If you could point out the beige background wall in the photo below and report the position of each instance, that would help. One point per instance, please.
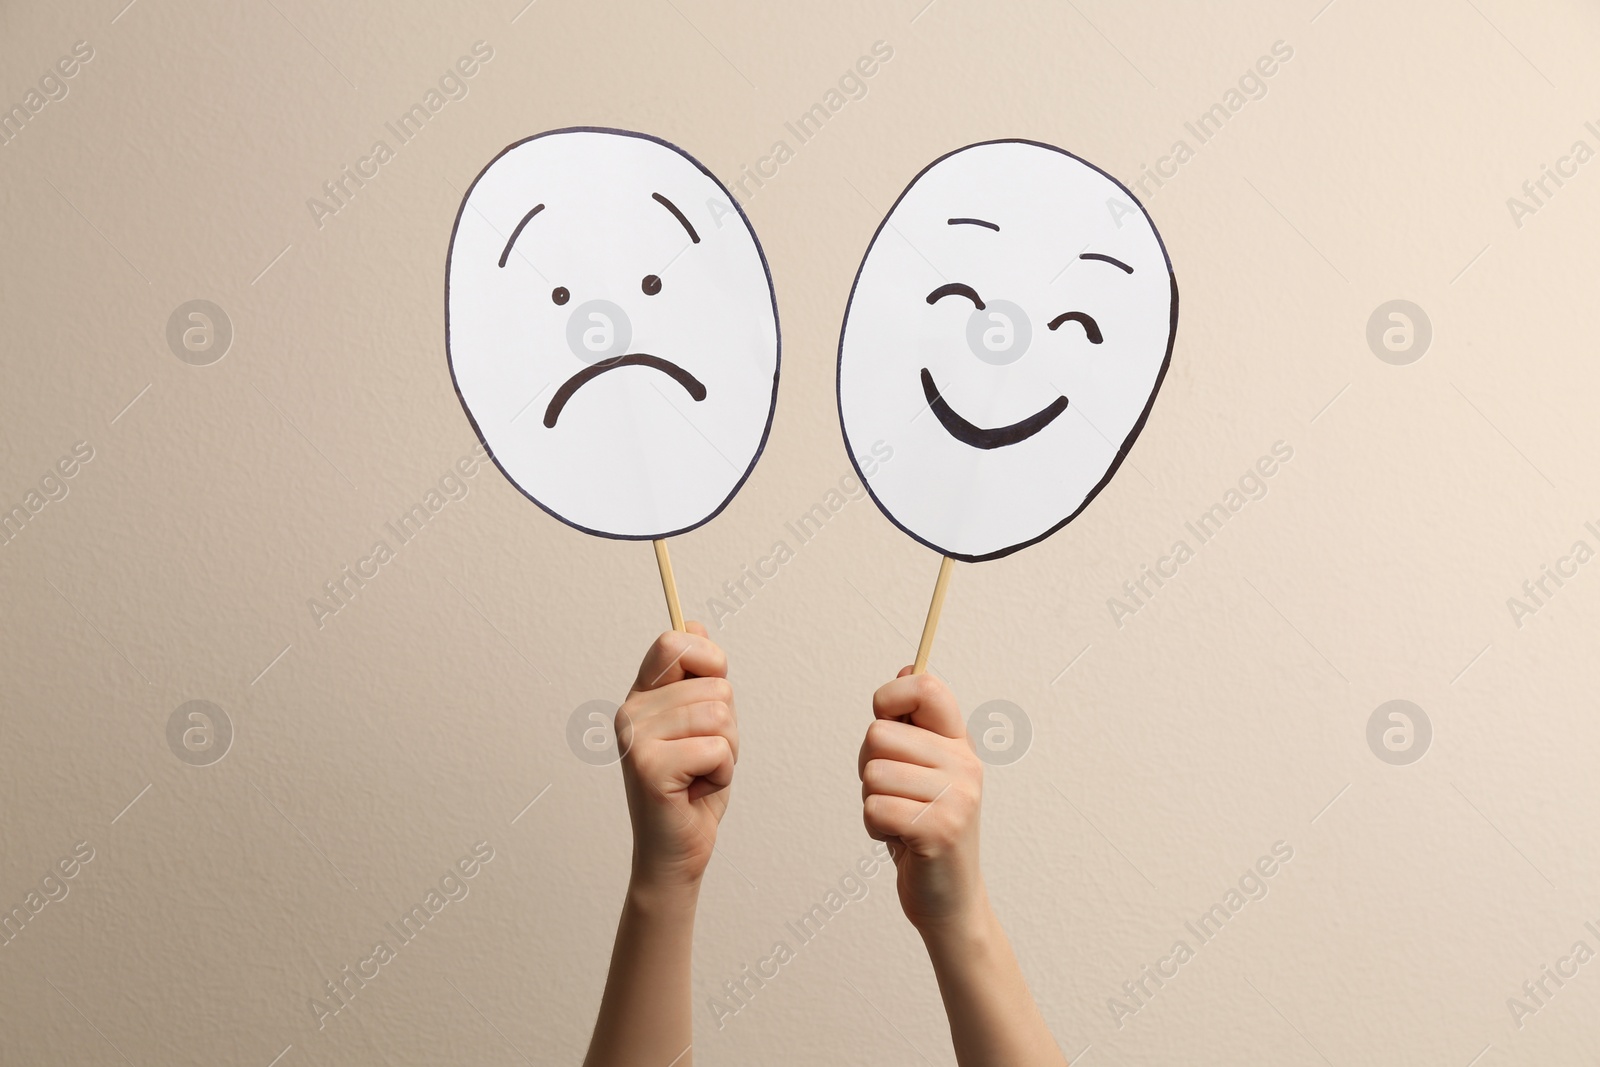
(1230, 713)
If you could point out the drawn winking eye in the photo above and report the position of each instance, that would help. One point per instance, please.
(956, 289)
(1091, 328)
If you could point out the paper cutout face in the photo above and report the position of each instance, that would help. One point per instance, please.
(612, 330)
(1007, 332)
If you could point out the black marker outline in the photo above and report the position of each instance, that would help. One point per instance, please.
(969, 433)
(777, 331)
(1138, 426)
(972, 222)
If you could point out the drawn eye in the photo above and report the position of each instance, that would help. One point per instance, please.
(1091, 328)
(560, 295)
(651, 285)
(956, 289)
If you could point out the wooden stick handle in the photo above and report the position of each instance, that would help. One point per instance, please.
(669, 584)
(929, 628)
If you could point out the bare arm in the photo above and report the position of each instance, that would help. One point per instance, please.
(993, 1018)
(921, 788)
(644, 1015)
(679, 741)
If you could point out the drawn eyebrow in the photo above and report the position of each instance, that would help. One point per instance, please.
(1107, 259)
(972, 222)
(518, 231)
(670, 206)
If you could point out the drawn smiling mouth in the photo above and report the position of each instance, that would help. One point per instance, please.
(977, 436)
(690, 383)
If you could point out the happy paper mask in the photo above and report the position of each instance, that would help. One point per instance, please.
(1008, 329)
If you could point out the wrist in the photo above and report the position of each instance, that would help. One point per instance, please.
(655, 896)
(969, 926)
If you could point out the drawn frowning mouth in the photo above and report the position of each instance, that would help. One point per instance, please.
(690, 383)
(977, 436)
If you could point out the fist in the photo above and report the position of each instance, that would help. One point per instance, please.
(921, 788)
(679, 741)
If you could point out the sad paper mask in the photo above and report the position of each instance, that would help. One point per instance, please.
(612, 331)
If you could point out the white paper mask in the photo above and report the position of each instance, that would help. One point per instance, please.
(612, 330)
(1006, 335)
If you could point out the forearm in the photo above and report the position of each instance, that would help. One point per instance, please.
(993, 1019)
(645, 1012)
